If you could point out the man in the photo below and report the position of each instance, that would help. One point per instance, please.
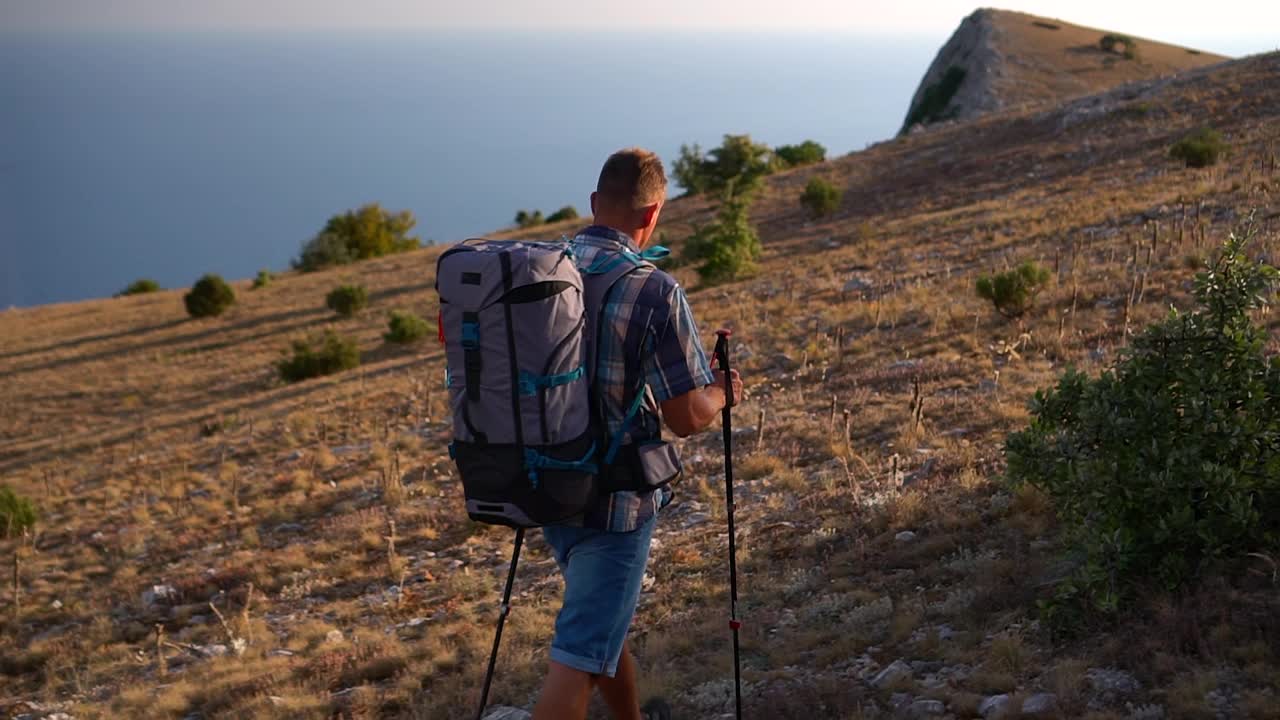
(648, 335)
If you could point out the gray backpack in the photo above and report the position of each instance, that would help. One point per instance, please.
(518, 320)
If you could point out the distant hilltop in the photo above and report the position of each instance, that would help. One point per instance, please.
(1000, 59)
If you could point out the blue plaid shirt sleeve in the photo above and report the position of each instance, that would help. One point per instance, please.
(676, 363)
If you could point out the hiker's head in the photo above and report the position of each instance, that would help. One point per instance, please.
(630, 193)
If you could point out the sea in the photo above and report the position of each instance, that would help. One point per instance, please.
(170, 155)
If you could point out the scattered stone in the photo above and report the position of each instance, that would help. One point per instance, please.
(281, 652)
(858, 285)
(334, 636)
(1040, 704)
(993, 706)
(56, 604)
(154, 595)
(905, 536)
(289, 528)
(896, 672)
(927, 708)
(1112, 682)
(502, 712)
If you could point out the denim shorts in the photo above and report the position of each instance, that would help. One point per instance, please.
(602, 575)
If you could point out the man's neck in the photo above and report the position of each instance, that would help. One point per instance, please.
(633, 235)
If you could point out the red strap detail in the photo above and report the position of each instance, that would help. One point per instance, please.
(440, 325)
(735, 624)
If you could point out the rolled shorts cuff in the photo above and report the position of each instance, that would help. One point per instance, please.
(588, 665)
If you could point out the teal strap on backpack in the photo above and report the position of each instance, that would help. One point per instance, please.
(535, 461)
(608, 260)
(530, 384)
(616, 443)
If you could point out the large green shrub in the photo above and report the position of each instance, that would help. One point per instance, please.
(17, 513)
(209, 297)
(1170, 459)
(1199, 149)
(324, 354)
(369, 231)
(347, 300)
(820, 197)
(526, 219)
(1014, 292)
(727, 249)
(806, 153)
(140, 287)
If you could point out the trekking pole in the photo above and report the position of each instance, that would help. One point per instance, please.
(722, 359)
(502, 620)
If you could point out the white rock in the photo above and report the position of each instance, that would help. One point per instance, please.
(333, 636)
(1040, 704)
(506, 713)
(897, 671)
(905, 536)
(927, 708)
(993, 705)
(153, 595)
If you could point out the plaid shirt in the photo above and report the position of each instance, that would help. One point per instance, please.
(647, 331)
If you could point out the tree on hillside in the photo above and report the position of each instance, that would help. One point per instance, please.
(367, 232)
(738, 160)
(728, 248)
(806, 153)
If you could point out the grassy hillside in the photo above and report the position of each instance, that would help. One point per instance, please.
(191, 504)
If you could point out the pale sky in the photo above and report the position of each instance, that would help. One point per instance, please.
(1229, 26)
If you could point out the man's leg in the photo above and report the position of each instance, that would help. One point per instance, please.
(565, 694)
(619, 691)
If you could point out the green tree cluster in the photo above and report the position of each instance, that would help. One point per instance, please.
(369, 231)
(806, 153)
(728, 248)
(1169, 461)
(527, 219)
(209, 297)
(738, 161)
(140, 287)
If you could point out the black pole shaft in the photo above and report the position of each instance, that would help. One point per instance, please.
(502, 620)
(722, 359)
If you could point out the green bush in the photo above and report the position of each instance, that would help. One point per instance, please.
(209, 297)
(1014, 292)
(405, 327)
(738, 160)
(1201, 148)
(140, 287)
(354, 235)
(324, 354)
(820, 197)
(526, 219)
(806, 153)
(347, 300)
(728, 249)
(17, 513)
(1170, 459)
(568, 212)
(1109, 42)
(263, 279)
(933, 102)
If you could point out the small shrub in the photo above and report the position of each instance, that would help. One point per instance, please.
(140, 287)
(322, 251)
(729, 248)
(568, 212)
(17, 513)
(806, 153)
(209, 297)
(1110, 41)
(405, 327)
(1169, 460)
(347, 300)
(320, 355)
(739, 162)
(526, 219)
(1201, 148)
(820, 197)
(1014, 292)
(263, 279)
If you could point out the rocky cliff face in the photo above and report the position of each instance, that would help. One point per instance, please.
(960, 83)
(998, 60)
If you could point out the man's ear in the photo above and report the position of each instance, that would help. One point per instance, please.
(650, 214)
(594, 212)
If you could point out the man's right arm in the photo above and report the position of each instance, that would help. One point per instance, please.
(693, 411)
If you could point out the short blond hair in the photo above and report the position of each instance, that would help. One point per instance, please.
(632, 178)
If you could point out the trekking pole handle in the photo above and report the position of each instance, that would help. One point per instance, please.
(722, 361)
